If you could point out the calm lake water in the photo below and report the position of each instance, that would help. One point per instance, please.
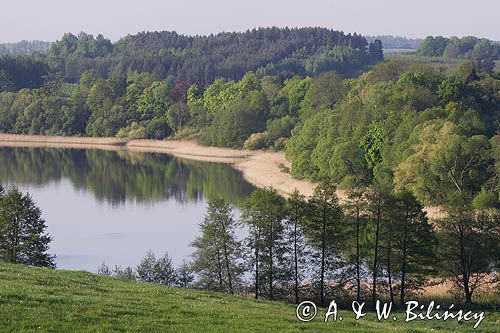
(106, 206)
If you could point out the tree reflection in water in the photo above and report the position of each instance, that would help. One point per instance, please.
(118, 176)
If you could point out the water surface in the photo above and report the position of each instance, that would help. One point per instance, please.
(108, 206)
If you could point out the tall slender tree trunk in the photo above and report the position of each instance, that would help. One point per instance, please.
(257, 236)
(219, 270)
(296, 259)
(228, 269)
(15, 240)
(463, 264)
(375, 256)
(271, 272)
(323, 253)
(358, 263)
(226, 259)
(389, 271)
(402, 293)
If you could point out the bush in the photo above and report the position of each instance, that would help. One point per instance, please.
(154, 270)
(157, 128)
(187, 133)
(133, 131)
(280, 128)
(280, 144)
(256, 141)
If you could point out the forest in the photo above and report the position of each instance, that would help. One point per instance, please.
(24, 48)
(481, 50)
(392, 136)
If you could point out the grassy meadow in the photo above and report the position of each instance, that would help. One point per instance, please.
(44, 300)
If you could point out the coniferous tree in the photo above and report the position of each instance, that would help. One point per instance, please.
(146, 268)
(164, 271)
(160, 271)
(184, 275)
(323, 232)
(356, 210)
(104, 270)
(218, 255)
(297, 215)
(23, 239)
(264, 213)
(377, 207)
(414, 245)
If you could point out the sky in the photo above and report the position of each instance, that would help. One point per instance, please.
(49, 19)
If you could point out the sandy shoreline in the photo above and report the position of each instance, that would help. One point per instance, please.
(262, 169)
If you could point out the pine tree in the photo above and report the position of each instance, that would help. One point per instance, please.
(413, 244)
(184, 275)
(356, 207)
(164, 271)
(218, 255)
(323, 231)
(146, 268)
(265, 213)
(160, 271)
(297, 215)
(22, 231)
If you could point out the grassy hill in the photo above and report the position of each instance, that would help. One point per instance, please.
(36, 299)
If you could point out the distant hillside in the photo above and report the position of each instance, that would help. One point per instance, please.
(24, 47)
(201, 59)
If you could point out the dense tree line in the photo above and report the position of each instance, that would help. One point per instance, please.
(22, 72)
(408, 127)
(176, 58)
(375, 244)
(480, 50)
(201, 59)
(24, 47)
(153, 85)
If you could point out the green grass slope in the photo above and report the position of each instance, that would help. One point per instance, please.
(36, 299)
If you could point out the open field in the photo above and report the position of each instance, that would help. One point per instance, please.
(449, 64)
(38, 299)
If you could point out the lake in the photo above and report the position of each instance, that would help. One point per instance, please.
(113, 206)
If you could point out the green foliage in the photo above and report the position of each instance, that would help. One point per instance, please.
(264, 213)
(372, 144)
(218, 254)
(280, 128)
(256, 141)
(234, 124)
(433, 46)
(154, 101)
(469, 248)
(400, 121)
(159, 271)
(23, 238)
(482, 51)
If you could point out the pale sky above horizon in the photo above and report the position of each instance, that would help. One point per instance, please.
(48, 20)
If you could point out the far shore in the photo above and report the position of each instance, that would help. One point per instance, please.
(263, 169)
(260, 168)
